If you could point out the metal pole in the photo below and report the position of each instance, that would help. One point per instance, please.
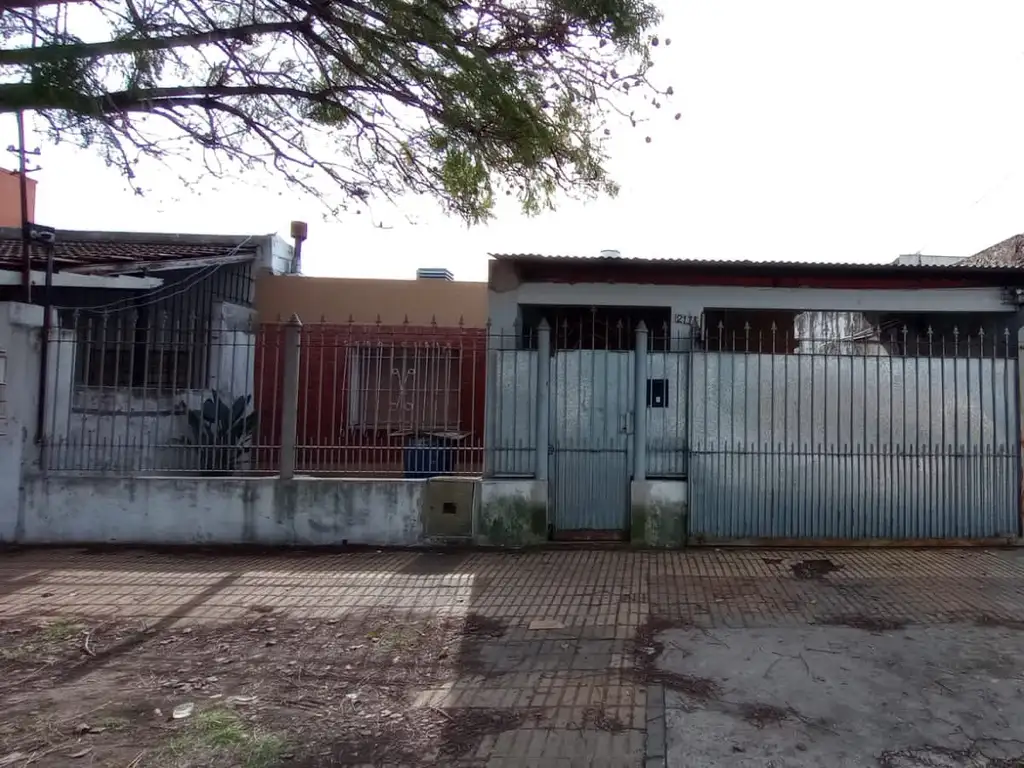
(44, 359)
(640, 405)
(290, 396)
(540, 461)
(26, 256)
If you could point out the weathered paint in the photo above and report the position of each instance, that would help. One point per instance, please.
(19, 341)
(658, 513)
(512, 513)
(62, 509)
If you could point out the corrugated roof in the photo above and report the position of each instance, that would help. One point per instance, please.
(729, 264)
(1006, 254)
(81, 249)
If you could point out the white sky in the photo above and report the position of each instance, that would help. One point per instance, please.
(832, 131)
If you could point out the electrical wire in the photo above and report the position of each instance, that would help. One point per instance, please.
(154, 296)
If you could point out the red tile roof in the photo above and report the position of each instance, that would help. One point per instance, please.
(121, 248)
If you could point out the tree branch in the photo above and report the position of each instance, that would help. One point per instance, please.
(49, 54)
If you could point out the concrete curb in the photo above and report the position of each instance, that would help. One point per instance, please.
(655, 747)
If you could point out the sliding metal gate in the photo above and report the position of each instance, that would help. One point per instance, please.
(869, 439)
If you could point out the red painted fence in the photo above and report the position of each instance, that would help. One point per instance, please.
(368, 392)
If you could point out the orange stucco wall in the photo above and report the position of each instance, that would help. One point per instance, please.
(337, 300)
(10, 199)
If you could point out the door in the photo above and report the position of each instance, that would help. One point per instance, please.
(591, 425)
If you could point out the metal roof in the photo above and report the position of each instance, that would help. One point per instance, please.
(789, 266)
(85, 249)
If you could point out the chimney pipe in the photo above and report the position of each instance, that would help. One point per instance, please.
(299, 233)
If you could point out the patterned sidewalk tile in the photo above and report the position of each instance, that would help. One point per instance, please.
(553, 634)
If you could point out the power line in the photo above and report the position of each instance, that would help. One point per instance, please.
(153, 296)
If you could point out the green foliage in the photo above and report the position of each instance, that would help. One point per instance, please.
(221, 432)
(463, 101)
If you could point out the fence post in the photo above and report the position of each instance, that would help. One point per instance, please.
(640, 404)
(540, 461)
(290, 396)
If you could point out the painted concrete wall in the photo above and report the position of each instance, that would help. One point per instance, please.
(512, 513)
(658, 513)
(692, 300)
(335, 300)
(64, 509)
(19, 341)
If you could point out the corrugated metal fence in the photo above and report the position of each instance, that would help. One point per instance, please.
(881, 437)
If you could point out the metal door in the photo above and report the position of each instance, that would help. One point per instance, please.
(591, 423)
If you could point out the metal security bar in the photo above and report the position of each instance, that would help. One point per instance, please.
(877, 433)
(391, 401)
(131, 392)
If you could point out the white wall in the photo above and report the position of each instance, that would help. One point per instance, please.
(65, 509)
(19, 338)
(233, 349)
(692, 300)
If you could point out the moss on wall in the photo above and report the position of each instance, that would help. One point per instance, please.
(513, 521)
(658, 524)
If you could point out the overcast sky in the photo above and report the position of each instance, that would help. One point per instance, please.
(832, 131)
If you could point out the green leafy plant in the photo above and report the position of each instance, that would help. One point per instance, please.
(221, 431)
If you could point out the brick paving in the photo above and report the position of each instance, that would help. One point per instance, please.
(554, 632)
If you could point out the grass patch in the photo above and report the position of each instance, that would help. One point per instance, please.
(219, 735)
(61, 630)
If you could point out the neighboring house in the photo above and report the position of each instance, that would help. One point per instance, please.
(10, 198)
(1004, 254)
(763, 400)
(145, 326)
(384, 365)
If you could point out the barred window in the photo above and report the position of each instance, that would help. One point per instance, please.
(412, 387)
(127, 350)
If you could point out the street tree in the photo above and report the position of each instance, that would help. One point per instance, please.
(461, 100)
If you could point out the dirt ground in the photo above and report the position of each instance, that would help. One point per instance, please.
(257, 692)
(550, 659)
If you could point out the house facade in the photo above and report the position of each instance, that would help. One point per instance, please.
(689, 401)
(142, 329)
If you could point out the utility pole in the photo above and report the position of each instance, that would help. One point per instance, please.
(26, 223)
(26, 250)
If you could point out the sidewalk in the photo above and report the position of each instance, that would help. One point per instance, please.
(497, 659)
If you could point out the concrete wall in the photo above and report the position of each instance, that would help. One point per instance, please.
(19, 342)
(692, 300)
(65, 509)
(658, 513)
(512, 513)
(335, 300)
(78, 509)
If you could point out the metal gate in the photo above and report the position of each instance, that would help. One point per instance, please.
(591, 427)
(881, 436)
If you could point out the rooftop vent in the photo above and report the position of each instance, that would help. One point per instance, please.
(434, 273)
